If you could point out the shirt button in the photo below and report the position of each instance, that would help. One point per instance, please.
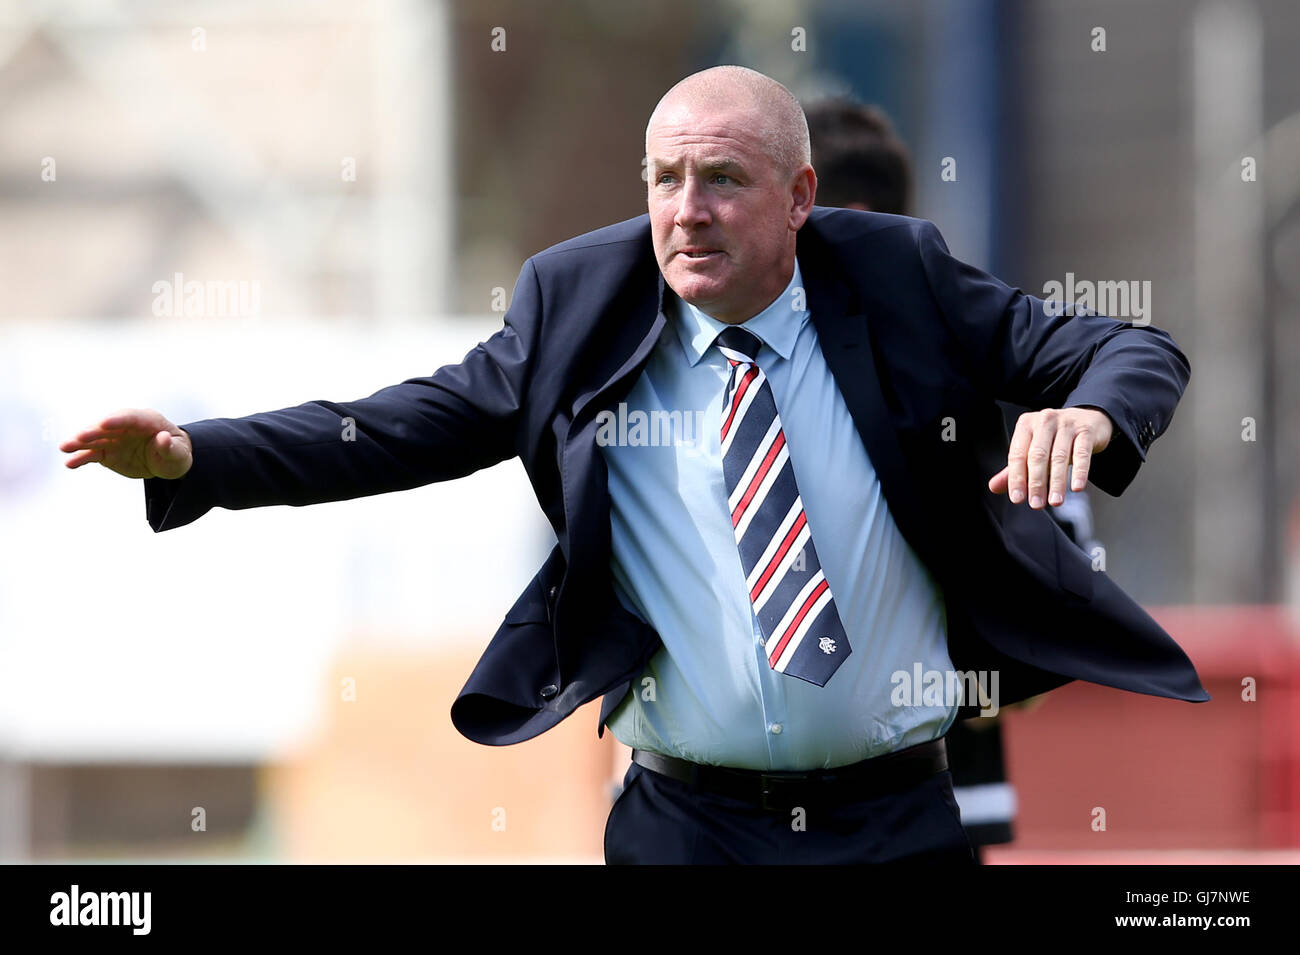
(761, 641)
(776, 729)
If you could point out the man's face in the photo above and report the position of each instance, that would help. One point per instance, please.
(722, 216)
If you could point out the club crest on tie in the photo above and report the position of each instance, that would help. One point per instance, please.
(827, 645)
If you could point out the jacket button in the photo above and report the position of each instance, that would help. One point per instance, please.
(548, 692)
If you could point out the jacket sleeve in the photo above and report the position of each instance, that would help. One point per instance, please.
(1021, 351)
(461, 418)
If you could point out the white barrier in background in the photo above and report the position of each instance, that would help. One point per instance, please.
(212, 641)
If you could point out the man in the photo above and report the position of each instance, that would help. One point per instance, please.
(746, 630)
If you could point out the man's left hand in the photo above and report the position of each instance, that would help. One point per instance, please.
(1042, 449)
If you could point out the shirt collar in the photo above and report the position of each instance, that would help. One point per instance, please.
(777, 326)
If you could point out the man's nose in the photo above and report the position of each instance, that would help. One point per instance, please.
(692, 207)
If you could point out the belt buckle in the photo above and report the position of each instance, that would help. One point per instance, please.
(770, 784)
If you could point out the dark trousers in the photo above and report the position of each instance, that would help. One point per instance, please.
(658, 820)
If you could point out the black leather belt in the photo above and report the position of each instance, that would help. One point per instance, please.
(821, 787)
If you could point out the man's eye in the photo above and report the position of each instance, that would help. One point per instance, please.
(664, 178)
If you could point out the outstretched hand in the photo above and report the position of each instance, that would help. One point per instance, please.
(1044, 446)
(136, 443)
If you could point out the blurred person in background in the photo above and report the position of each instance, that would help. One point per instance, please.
(753, 673)
(861, 162)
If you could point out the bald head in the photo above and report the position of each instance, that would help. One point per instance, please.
(777, 117)
(728, 184)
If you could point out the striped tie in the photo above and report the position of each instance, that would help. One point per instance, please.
(787, 588)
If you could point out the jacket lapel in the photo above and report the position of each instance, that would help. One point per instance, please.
(844, 333)
(583, 475)
(635, 336)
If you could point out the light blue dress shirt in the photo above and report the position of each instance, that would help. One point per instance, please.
(709, 695)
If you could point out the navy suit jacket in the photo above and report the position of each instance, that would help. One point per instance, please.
(912, 336)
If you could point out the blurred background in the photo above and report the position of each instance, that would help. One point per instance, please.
(238, 206)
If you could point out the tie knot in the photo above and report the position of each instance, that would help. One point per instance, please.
(743, 344)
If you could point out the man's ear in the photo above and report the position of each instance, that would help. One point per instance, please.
(803, 193)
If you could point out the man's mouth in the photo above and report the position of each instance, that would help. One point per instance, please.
(700, 254)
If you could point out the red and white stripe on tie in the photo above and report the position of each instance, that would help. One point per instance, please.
(787, 589)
